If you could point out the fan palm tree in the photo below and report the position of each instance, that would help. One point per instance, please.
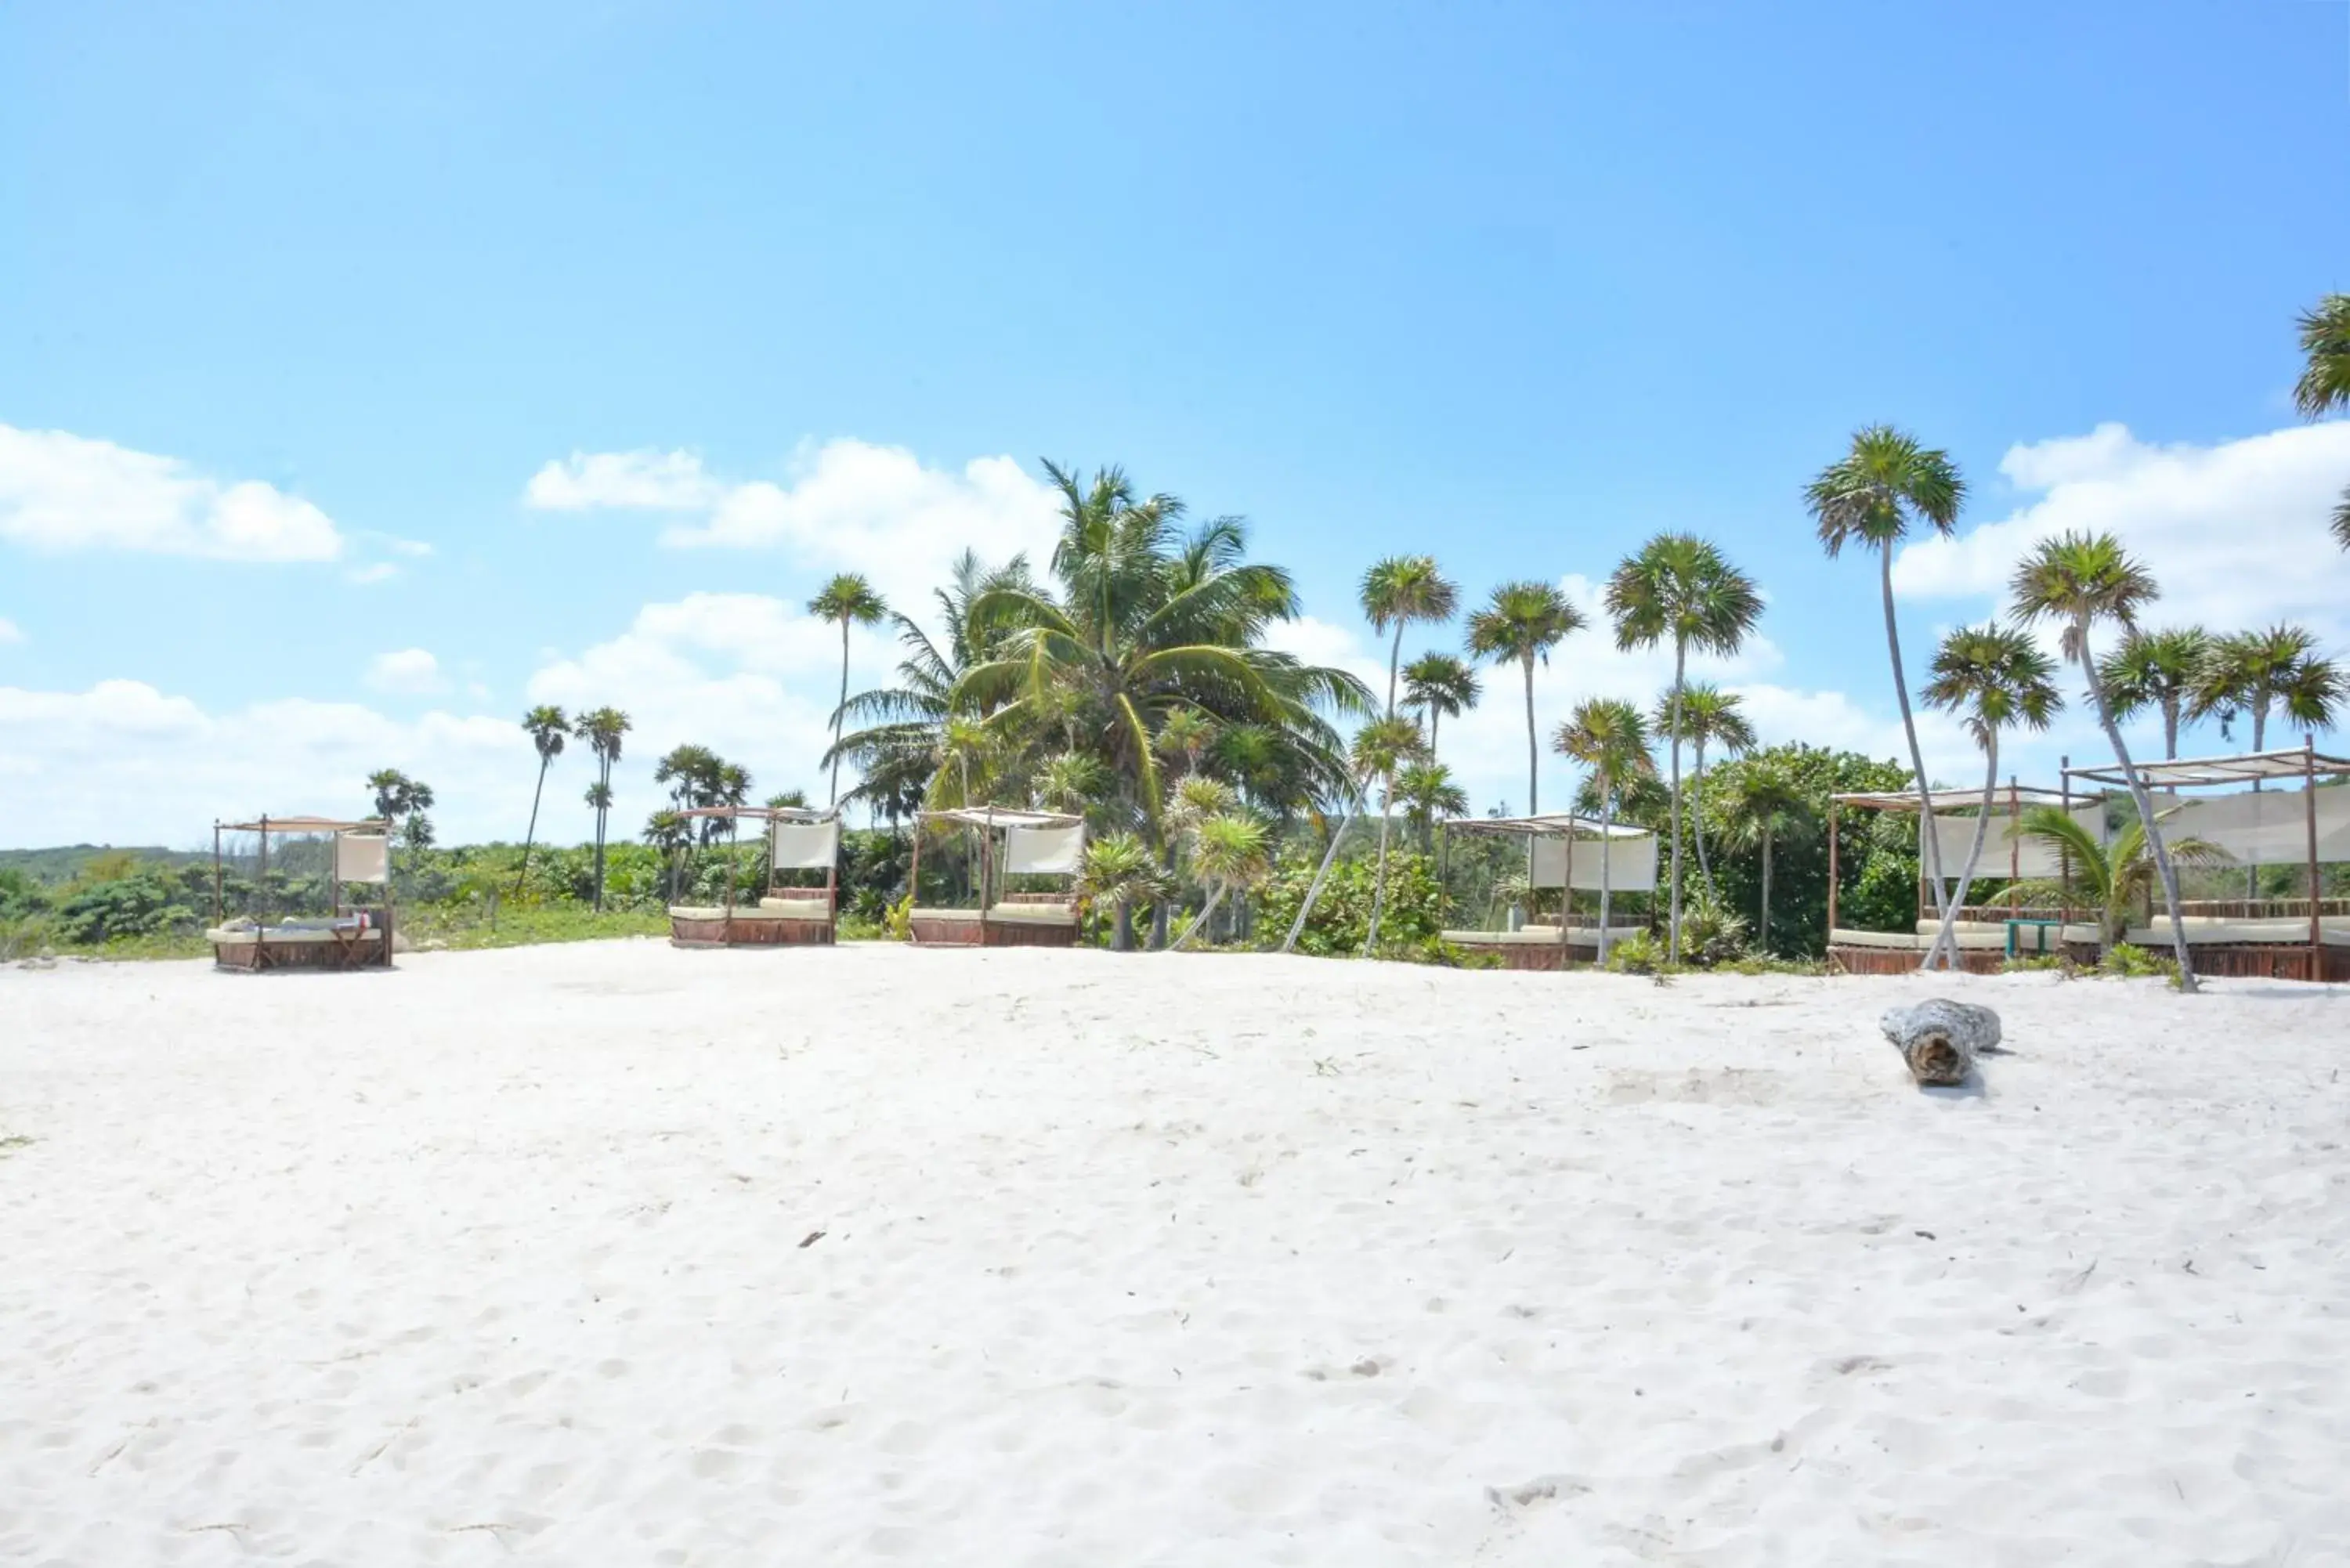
(1398, 591)
(1383, 748)
(1997, 678)
(404, 801)
(604, 729)
(1523, 621)
(848, 601)
(1882, 487)
(1609, 737)
(1429, 795)
(1764, 801)
(1709, 717)
(1230, 852)
(2155, 669)
(2324, 384)
(547, 728)
(669, 834)
(1683, 588)
(2077, 581)
(1122, 871)
(1438, 686)
(2118, 875)
(2255, 672)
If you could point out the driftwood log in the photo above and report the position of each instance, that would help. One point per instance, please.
(1939, 1039)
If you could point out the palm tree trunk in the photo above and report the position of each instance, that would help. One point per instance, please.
(2170, 729)
(1313, 889)
(604, 777)
(1933, 849)
(1673, 742)
(1435, 717)
(2145, 802)
(838, 713)
(1395, 658)
(2260, 743)
(1534, 777)
(1946, 935)
(1763, 936)
(532, 831)
(1379, 881)
(1215, 897)
(1121, 940)
(1606, 867)
(1697, 820)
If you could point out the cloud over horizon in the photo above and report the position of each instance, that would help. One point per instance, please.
(61, 493)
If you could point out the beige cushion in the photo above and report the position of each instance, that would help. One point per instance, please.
(818, 907)
(1034, 914)
(1539, 936)
(226, 936)
(697, 911)
(2204, 929)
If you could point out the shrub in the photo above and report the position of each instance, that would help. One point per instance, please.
(1712, 934)
(1639, 953)
(1342, 915)
(2126, 960)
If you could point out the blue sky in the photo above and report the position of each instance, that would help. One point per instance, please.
(1519, 286)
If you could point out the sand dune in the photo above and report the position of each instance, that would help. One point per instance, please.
(618, 1254)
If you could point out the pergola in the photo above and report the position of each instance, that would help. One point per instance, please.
(798, 839)
(1621, 853)
(361, 853)
(2009, 802)
(1036, 843)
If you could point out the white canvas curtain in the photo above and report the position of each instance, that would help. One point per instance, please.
(805, 845)
(1631, 864)
(362, 858)
(1044, 851)
(1953, 835)
(2268, 828)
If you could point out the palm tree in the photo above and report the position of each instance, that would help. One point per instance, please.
(2155, 669)
(848, 601)
(1429, 795)
(2324, 384)
(1438, 686)
(2253, 672)
(1609, 737)
(603, 730)
(2078, 581)
(1682, 588)
(1402, 589)
(403, 800)
(1525, 621)
(2119, 876)
(1229, 852)
(1184, 736)
(1874, 494)
(1382, 748)
(1709, 717)
(1122, 871)
(1764, 801)
(547, 728)
(1997, 677)
(669, 834)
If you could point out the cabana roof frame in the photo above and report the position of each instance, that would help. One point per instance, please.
(304, 825)
(1557, 825)
(2012, 796)
(761, 812)
(2204, 772)
(1001, 816)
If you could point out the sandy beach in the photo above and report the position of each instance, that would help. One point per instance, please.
(614, 1253)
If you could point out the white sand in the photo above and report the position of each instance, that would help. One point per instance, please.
(1188, 1260)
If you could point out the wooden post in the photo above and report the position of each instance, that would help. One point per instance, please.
(733, 839)
(2309, 800)
(216, 874)
(1566, 892)
(2064, 856)
(335, 875)
(260, 885)
(2014, 851)
(1831, 870)
(914, 877)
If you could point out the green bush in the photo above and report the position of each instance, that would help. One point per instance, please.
(1638, 954)
(1712, 934)
(1342, 915)
(2125, 961)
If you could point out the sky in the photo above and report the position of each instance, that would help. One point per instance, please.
(367, 378)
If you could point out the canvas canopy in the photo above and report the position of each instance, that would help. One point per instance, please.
(2270, 827)
(803, 845)
(1045, 851)
(1954, 835)
(362, 858)
(1629, 863)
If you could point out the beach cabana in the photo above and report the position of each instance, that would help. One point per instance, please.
(801, 844)
(1988, 934)
(2298, 937)
(303, 918)
(1010, 842)
(1573, 854)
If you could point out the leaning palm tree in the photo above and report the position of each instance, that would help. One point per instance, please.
(604, 729)
(1709, 717)
(1683, 588)
(2119, 876)
(1764, 801)
(1523, 621)
(2324, 384)
(2078, 581)
(1996, 677)
(2155, 669)
(1121, 871)
(1383, 748)
(1229, 853)
(848, 601)
(1875, 494)
(1609, 737)
(547, 727)
(1402, 589)
(1438, 686)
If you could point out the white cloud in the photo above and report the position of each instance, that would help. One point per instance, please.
(848, 505)
(409, 673)
(61, 493)
(2234, 533)
(374, 573)
(10, 631)
(655, 481)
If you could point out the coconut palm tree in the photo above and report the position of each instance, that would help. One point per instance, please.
(1438, 686)
(1883, 486)
(2155, 669)
(1997, 678)
(1398, 591)
(1683, 588)
(848, 601)
(2119, 876)
(1609, 737)
(1523, 621)
(1429, 795)
(604, 729)
(547, 728)
(1709, 717)
(2324, 384)
(1229, 852)
(1764, 801)
(2077, 581)
(1383, 748)
(1122, 871)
